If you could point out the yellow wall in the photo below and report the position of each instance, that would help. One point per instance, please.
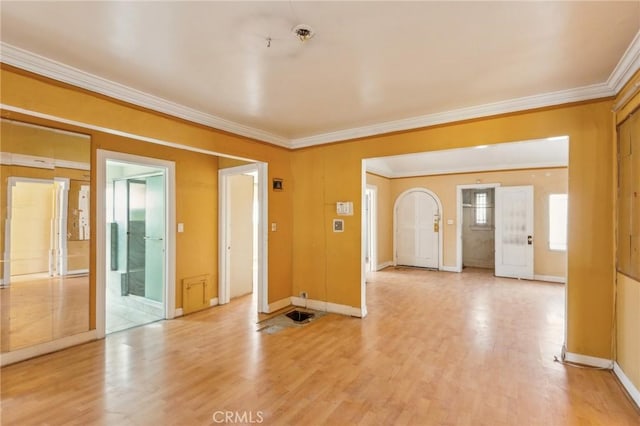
(304, 254)
(327, 264)
(544, 181)
(628, 289)
(384, 226)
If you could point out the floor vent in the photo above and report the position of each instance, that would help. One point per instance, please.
(299, 316)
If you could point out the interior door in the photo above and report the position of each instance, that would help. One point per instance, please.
(154, 240)
(417, 224)
(514, 231)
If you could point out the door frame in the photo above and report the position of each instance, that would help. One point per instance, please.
(395, 222)
(459, 217)
(102, 156)
(224, 284)
(372, 208)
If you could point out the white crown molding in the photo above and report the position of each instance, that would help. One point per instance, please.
(624, 70)
(471, 169)
(513, 105)
(628, 65)
(41, 65)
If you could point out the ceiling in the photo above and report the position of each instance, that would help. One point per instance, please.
(550, 152)
(372, 67)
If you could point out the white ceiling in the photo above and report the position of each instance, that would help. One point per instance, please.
(372, 67)
(551, 152)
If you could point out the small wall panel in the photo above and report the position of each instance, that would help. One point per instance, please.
(195, 293)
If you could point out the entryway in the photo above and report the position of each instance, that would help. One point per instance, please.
(135, 243)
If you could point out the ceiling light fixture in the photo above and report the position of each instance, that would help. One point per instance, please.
(303, 32)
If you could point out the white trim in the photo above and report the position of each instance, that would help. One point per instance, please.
(584, 93)
(627, 66)
(280, 304)
(178, 313)
(18, 355)
(440, 215)
(588, 360)
(550, 278)
(628, 385)
(320, 305)
(213, 302)
(459, 217)
(170, 228)
(41, 65)
(450, 269)
(383, 265)
(58, 71)
(373, 225)
(77, 272)
(470, 169)
(263, 237)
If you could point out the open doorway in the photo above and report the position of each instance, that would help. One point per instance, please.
(476, 219)
(242, 228)
(135, 247)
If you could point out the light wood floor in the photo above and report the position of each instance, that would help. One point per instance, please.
(436, 349)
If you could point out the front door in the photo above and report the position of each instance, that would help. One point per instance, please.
(417, 236)
(514, 232)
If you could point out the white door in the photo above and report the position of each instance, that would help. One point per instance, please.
(514, 231)
(417, 224)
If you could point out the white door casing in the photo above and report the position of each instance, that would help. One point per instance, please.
(417, 236)
(514, 231)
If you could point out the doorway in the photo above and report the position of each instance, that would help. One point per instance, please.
(417, 236)
(478, 227)
(135, 247)
(243, 234)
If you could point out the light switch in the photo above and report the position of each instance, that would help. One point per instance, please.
(449, 221)
(181, 227)
(274, 227)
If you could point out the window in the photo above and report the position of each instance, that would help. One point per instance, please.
(480, 206)
(558, 221)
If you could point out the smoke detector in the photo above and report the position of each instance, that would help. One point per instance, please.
(303, 32)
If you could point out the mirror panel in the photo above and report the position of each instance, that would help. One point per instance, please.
(44, 237)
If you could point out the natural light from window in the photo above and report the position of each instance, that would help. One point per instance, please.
(558, 221)
(481, 208)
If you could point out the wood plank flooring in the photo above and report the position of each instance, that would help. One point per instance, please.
(436, 349)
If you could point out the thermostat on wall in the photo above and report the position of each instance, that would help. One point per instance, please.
(344, 208)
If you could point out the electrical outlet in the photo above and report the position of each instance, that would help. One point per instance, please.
(304, 294)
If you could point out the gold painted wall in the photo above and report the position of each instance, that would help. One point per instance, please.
(384, 226)
(544, 181)
(195, 173)
(628, 289)
(327, 264)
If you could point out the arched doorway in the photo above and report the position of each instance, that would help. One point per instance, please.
(417, 233)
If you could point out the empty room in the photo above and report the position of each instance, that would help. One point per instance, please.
(296, 212)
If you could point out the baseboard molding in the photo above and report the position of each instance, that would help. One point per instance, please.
(179, 313)
(77, 272)
(383, 265)
(213, 302)
(320, 305)
(588, 360)
(550, 278)
(449, 268)
(628, 385)
(280, 304)
(12, 357)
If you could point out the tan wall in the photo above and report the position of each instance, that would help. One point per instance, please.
(327, 264)
(384, 226)
(628, 289)
(544, 181)
(196, 174)
(241, 235)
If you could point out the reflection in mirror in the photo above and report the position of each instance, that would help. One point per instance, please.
(44, 240)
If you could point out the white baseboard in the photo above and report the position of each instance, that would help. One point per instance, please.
(550, 278)
(179, 313)
(383, 265)
(449, 268)
(213, 302)
(335, 308)
(12, 357)
(280, 304)
(628, 385)
(77, 272)
(588, 360)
